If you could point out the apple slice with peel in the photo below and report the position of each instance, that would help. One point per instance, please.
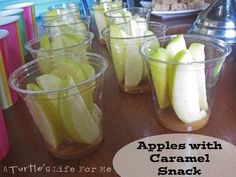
(79, 74)
(159, 73)
(133, 65)
(118, 50)
(44, 46)
(100, 19)
(88, 89)
(51, 14)
(198, 54)
(45, 116)
(57, 43)
(152, 36)
(185, 92)
(134, 28)
(45, 43)
(48, 82)
(77, 120)
(176, 44)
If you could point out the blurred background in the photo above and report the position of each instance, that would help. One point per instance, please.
(41, 5)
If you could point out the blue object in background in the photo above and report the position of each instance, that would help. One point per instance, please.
(42, 5)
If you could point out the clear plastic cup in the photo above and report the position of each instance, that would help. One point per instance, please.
(78, 5)
(67, 23)
(184, 93)
(68, 114)
(128, 63)
(60, 12)
(118, 16)
(67, 5)
(73, 41)
(97, 13)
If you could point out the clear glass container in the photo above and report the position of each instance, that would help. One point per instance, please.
(67, 23)
(184, 92)
(118, 16)
(68, 113)
(97, 14)
(67, 41)
(59, 12)
(128, 63)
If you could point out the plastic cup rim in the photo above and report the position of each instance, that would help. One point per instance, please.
(8, 12)
(111, 2)
(105, 30)
(19, 5)
(45, 24)
(106, 14)
(209, 39)
(11, 79)
(42, 15)
(86, 41)
(8, 20)
(51, 7)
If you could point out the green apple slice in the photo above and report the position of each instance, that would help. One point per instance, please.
(57, 43)
(65, 40)
(79, 74)
(143, 28)
(133, 65)
(87, 90)
(58, 73)
(127, 16)
(118, 51)
(117, 18)
(134, 29)
(159, 73)
(69, 39)
(100, 20)
(66, 28)
(44, 42)
(51, 14)
(80, 26)
(45, 116)
(198, 54)
(78, 122)
(176, 44)
(48, 82)
(185, 92)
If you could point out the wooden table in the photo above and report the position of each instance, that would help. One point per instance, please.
(126, 118)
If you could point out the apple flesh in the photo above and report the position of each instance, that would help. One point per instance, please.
(176, 45)
(45, 116)
(118, 51)
(159, 73)
(77, 120)
(128, 63)
(185, 91)
(185, 82)
(198, 53)
(73, 115)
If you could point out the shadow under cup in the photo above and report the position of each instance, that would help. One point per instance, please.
(184, 93)
(69, 117)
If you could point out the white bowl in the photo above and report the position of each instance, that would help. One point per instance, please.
(146, 4)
